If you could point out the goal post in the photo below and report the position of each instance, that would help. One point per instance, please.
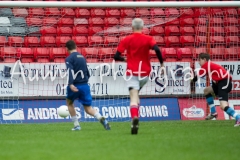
(32, 43)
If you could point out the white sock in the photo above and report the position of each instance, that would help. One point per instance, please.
(98, 116)
(75, 121)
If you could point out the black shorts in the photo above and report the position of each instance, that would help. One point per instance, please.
(222, 88)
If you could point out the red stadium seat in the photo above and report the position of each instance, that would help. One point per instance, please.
(26, 55)
(112, 41)
(171, 12)
(157, 30)
(58, 53)
(49, 31)
(217, 53)
(126, 21)
(200, 11)
(15, 41)
(200, 40)
(64, 31)
(108, 60)
(36, 12)
(197, 51)
(80, 22)
(152, 55)
(80, 40)
(232, 53)
(96, 21)
(41, 54)
(215, 40)
(50, 22)
(230, 21)
(200, 21)
(20, 12)
(111, 31)
(230, 12)
(9, 54)
(105, 53)
(111, 21)
(186, 21)
(48, 41)
(34, 21)
(127, 12)
(31, 41)
(232, 40)
(172, 30)
(142, 12)
(157, 21)
(187, 31)
(68, 12)
(231, 30)
(216, 21)
(172, 21)
(184, 53)
(52, 12)
(216, 12)
(82, 12)
(94, 30)
(90, 52)
(92, 60)
(65, 22)
(95, 40)
(201, 30)
(97, 12)
(186, 12)
(172, 41)
(3, 41)
(157, 12)
(159, 40)
(187, 40)
(62, 40)
(217, 30)
(81, 30)
(112, 12)
(169, 52)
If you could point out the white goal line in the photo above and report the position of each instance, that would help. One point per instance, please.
(100, 4)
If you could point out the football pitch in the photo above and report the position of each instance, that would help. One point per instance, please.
(167, 140)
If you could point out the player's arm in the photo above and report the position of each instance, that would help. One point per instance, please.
(118, 57)
(121, 48)
(70, 75)
(159, 54)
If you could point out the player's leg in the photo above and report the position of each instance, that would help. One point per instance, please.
(208, 92)
(134, 86)
(71, 96)
(86, 99)
(223, 98)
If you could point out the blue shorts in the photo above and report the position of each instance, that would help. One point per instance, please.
(83, 94)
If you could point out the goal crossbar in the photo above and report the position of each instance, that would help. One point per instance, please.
(100, 4)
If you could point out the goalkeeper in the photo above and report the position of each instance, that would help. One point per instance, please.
(221, 86)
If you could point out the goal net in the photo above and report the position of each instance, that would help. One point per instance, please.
(34, 76)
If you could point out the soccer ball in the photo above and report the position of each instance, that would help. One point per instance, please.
(63, 111)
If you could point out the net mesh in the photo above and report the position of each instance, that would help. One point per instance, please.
(37, 36)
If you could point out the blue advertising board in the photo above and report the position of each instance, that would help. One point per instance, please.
(45, 111)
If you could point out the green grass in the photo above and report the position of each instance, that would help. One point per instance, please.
(169, 140)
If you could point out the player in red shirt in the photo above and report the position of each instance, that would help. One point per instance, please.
(137, 46)
(221, 86)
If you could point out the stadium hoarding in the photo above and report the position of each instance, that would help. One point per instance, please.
(196, 108)
(192, 109)
(45, 111)
(50, 79)
(234, 69)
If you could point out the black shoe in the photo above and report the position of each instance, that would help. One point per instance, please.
(134, 127)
